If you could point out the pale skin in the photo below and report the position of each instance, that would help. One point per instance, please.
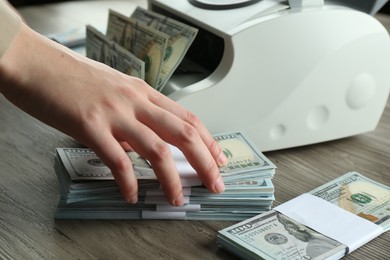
(108, 112)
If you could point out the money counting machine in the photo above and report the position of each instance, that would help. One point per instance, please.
(288, 73)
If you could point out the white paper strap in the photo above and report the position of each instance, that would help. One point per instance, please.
(148, 214)
(330, 220)
(186, 207)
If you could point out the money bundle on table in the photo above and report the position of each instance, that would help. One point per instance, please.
(89, 191)
(146, 45)
(273, 235)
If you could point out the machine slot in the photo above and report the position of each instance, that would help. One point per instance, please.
(200, 61)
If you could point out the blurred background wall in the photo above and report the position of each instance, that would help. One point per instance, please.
(385, 8)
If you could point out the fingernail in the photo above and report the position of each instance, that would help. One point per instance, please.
(132, 199)
(222, 160)
(179, 201)
(219, 186)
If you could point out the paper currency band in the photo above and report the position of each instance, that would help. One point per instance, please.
(330, 220)
(163, 215)
(185, 208)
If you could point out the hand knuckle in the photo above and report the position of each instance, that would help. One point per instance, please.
(213, 146)
(159, 151)
(121, 164)
(192, 119)
(189, 132)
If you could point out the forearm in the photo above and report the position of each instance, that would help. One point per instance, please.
(33, 64)
(38, 75)
(102, 108)
(9, 26)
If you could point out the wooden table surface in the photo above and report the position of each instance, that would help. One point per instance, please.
(29, 190)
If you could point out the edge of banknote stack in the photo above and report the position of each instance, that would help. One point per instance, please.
(326, 223)
(89, 191)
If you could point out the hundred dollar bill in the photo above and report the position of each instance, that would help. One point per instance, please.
(359, 195)
(145, 42)
(99, 48)
(180, 38)
(245, 161)
(83, 164)
(275, 236)
(242, 154)
(235, 188)
(272, 235)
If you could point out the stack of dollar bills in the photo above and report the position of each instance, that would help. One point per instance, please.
(146, 45)
(89, 191)
(274, 235)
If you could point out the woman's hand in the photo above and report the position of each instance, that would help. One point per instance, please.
(106, 111)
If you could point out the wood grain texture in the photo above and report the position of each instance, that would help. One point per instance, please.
(29, 195)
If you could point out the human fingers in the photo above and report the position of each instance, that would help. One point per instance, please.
(185, 115)
(187, 138)
(151, 147)
(125, 146)
(113, 155)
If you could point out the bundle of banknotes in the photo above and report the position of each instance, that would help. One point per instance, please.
(274, 235)
(89, 191)
(146, 45)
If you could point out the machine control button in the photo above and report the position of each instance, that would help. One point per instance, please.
(360, 91)
(317, 117)
(277, 131)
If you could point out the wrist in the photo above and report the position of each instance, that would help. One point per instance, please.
(32, 64)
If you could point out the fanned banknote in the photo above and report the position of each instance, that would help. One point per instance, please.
(100, 48)
(275, 236)
(180, 38)
(143, 41)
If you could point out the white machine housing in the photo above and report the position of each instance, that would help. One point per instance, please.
(287, 76)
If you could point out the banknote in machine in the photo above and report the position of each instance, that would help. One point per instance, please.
(100, 48)
(143, 41)
(180, 38)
